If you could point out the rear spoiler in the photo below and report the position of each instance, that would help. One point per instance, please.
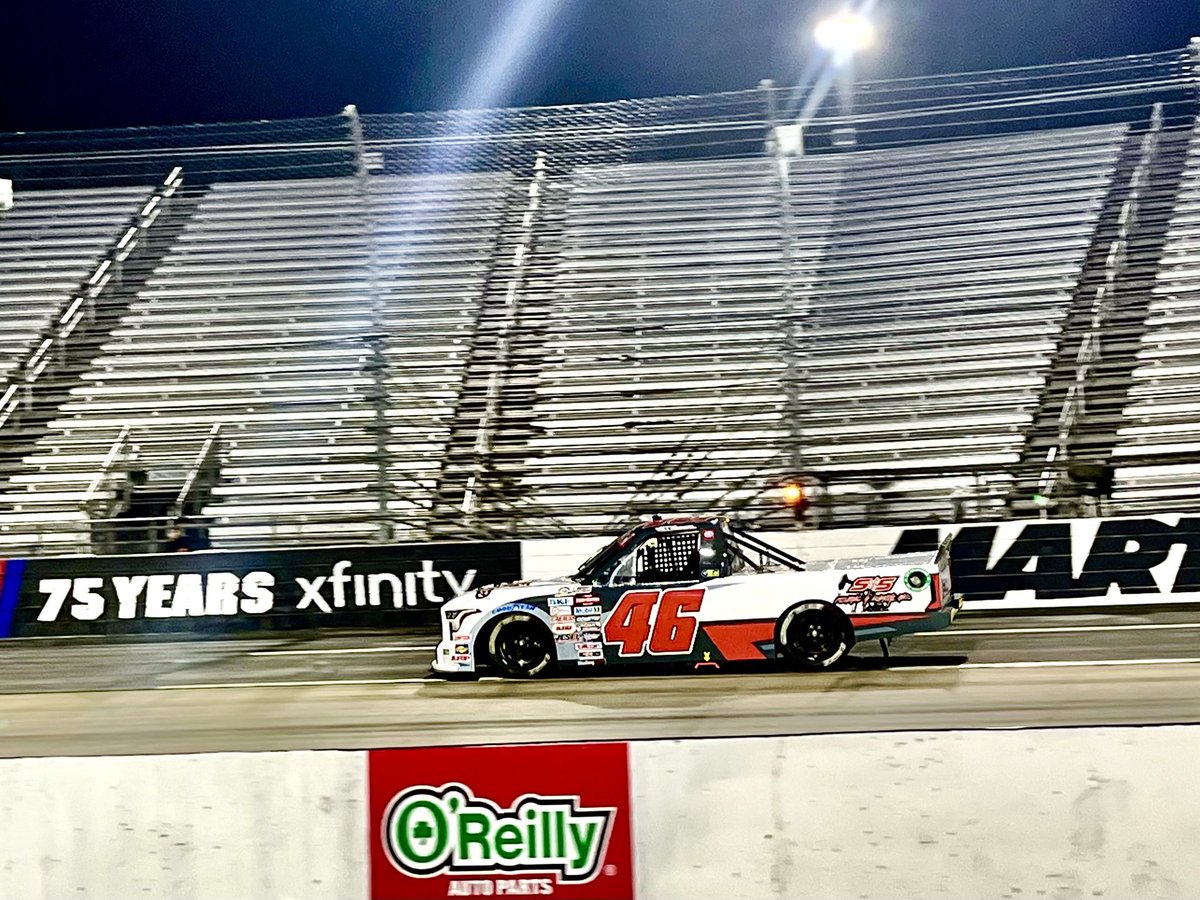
(943, 551)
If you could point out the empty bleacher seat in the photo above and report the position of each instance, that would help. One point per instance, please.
(661, 375)
(264, 317)
(936, 308)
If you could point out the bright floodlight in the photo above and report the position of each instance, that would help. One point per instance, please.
(844, 34)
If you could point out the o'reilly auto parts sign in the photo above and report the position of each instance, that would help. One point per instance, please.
(370, 586)
(448, 829)
(549, 820)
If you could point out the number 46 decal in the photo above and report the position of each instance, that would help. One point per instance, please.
(672, 630)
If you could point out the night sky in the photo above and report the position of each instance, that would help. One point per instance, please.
(103, 63)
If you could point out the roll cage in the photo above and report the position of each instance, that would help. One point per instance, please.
(733, 550)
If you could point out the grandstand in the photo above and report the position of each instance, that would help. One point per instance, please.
(542, 322)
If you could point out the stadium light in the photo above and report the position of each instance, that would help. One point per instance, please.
(844, 34)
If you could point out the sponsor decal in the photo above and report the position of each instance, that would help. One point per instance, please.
(871, 593)
(877, 583)
(500, 821)
(515, 607)
(588, 620)
(590, 636)
(557, 618)
(563, 627)
(460, 657)
(587, 610)
(589, 646)
(565, 591)
(462, 648)
(566, 638)
(591, 654)
(586, 597)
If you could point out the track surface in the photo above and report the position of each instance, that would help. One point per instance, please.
(351, 690)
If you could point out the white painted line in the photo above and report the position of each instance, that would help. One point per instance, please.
(396, 648)
(261, 684)
(952, 632)
(1056, 664)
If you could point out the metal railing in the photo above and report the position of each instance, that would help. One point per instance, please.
(109, 489)
(204, 469)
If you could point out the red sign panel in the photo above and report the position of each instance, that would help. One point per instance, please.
(550, 820)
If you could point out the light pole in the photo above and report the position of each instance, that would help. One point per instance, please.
(843, 35)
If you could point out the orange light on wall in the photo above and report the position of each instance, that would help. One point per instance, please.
(793, 494)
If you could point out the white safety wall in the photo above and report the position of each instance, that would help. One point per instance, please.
(1102, 812)
(193, 827)
(1108, 812)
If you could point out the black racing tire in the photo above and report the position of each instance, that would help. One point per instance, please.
(520, 646)
(815, 636)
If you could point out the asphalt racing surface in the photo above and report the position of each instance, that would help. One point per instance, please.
(354, 690)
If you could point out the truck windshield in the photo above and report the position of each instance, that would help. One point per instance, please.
(599, 560)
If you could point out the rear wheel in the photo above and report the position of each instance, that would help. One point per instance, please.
(520, 646)
(814, 635)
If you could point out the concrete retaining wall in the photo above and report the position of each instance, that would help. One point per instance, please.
(219, 826)
(1102, 812)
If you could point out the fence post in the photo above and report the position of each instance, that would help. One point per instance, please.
(794, 308)
(377, 363)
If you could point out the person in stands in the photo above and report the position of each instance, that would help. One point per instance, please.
(177, 541)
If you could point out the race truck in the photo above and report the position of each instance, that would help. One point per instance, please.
(696, 590)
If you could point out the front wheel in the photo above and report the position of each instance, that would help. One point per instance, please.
(814, 635)
(520, 646)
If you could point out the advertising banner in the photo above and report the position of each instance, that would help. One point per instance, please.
(216, 592)
(549, 820)
(1009, 565)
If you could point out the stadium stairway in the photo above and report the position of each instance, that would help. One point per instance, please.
(53, 388)
(505, 497)
(50, 246)
(1043, 432)
(1156, 453)
(510, 324)
(443, 244)
(656, 385)
(1094, 434)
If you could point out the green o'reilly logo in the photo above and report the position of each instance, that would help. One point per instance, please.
(429, 832)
